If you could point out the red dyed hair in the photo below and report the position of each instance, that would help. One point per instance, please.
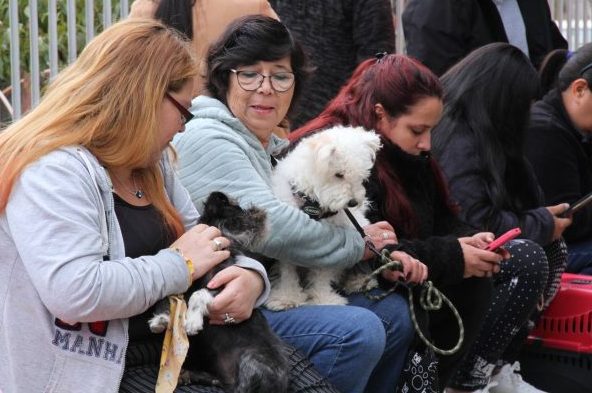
(397, 82)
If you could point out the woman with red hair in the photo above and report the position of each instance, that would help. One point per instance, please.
(401, 100)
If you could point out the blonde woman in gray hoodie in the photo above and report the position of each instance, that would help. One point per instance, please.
(74, 270)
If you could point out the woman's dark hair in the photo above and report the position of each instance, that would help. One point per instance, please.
(177, 14)
(550, 67)
(491, 91)
(397, 82)
(248, 40)
(578, 65)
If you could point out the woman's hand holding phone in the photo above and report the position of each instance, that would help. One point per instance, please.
(560, 222)
(478, 261)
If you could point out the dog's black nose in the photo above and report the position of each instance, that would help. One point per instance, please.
(352, 203)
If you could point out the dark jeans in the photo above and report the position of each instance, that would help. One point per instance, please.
(579, 259)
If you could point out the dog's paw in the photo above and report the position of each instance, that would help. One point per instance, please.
(279, 303)
(194, 323)
(332, 298)
(188, 377)
(158, 323)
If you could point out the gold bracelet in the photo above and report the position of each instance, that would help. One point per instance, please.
(188, 262)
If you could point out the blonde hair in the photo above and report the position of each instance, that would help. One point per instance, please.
(107, 101)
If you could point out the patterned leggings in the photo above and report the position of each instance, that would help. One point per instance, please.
(530, 278)
(141, 371)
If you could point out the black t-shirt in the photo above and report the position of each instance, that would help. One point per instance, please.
(144, 233)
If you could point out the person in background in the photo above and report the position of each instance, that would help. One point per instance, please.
(255, 74)
(559, 147)
(203, 21)
(95, 227)
(441, 32)
(337, 35)
(401, 99)
(480, 146)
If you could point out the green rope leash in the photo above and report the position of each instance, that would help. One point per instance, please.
(431, 299)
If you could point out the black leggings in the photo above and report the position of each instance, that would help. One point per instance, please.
(141, 372)
(530, 278)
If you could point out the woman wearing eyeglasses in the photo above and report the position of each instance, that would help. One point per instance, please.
(559, 147)
(95, 227)
(255, 73)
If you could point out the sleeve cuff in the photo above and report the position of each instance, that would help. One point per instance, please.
(249, 263)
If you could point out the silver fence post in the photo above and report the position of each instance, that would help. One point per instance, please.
(107, 17)
(71, 23)
(52, 27)
(89, 19)
(34, 52)
(123, 6)
(15, 64)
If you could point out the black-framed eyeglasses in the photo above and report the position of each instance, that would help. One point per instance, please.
(252, 80)
(185, 114)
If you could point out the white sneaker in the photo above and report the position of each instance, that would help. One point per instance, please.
(510, 381)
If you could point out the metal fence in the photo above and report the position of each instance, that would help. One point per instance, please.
(14, 107)
(574, 17)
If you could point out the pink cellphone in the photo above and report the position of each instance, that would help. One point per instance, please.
(503, 239)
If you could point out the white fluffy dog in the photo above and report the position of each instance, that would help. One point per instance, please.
(322, 175)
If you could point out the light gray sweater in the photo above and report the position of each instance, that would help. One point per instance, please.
(62, 261)
(218, 153)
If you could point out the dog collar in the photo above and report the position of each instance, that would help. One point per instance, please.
(311, 206)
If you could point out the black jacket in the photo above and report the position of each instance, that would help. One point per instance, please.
(441, 32)
(465, 172)
(436, 244)
(562, 160)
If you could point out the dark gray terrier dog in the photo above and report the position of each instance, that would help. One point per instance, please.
(246, 357)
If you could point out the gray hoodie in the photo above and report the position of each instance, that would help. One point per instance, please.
(63, 268)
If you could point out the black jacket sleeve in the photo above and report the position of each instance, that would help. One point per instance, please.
(441, 254)
(562, 166)
(462, 167)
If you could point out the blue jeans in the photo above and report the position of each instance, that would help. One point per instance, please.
(579, 259)
(348, 344)
(393, 312)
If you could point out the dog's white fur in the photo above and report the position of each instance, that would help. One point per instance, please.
(197, 310)
(329, 167)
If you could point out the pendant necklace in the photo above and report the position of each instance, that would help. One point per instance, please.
(138, 193)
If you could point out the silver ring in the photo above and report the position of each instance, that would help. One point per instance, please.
(228, 320)
(217, 244)
(385, 235)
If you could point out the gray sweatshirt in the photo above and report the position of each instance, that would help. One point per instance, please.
(63, 271)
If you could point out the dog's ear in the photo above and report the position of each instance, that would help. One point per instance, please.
(213, 207)
(372, 140)
(325, 153)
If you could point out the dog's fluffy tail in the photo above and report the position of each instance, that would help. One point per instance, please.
(258, 374)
